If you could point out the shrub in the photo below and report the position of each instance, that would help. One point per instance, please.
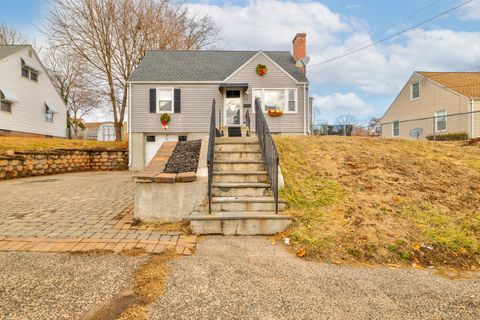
(454, 136)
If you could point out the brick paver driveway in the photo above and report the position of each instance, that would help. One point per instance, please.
(77, 212)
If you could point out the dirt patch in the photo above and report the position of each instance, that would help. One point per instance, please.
(185, 157)
(149, 285)
(150, 281)
(182, 226)
(383, 201)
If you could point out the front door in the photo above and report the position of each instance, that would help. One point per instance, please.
(233, 107)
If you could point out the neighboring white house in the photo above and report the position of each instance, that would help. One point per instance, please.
(101, 131)
(30, 104)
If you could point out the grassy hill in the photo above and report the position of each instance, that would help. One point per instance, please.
(46, 144)
(383, 201)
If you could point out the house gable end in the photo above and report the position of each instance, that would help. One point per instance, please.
(276, 76)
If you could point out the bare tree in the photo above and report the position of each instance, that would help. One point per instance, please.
(112, 36)
(346, 120)
(9, 35)
(70, 77)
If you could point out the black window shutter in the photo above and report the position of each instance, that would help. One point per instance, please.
(153, 100)
(177, 100)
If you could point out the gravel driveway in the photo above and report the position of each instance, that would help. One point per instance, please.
(249, 278)
(60, 286)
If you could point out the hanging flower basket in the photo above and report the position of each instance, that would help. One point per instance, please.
(165, 120)
(275, 113)
(261, 70)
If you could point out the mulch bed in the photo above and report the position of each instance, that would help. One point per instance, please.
(184, 157)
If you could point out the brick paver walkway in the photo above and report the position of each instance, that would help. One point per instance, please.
(78, 212)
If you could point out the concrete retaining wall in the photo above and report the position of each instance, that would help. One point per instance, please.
(27, 164)
(170, 201)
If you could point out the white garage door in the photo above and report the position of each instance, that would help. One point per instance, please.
(154, 142)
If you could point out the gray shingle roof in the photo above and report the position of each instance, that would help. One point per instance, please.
(8, 50)
(166, 65)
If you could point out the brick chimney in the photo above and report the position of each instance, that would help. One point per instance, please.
(300, 47)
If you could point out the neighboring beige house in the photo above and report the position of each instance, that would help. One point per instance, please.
(30, 104)
(435, 102)
(184, 84)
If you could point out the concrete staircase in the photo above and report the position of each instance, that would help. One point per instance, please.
(242, 200)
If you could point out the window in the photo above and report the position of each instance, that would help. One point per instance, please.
(4, 104)
(164, 100)
(48, 114)
(34, 76)
(415, 91)
(396, 128)
(277, 99)
(182, 138)
(441, 121)
(25, 72)
(150, 138)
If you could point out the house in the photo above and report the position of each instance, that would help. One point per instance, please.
(433, 103)
(101, 131)
(30, 104)
(183, 85)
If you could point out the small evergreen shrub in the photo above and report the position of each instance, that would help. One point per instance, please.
(454, 136)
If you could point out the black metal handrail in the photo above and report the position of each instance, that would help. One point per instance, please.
(247, 121)
(269, 151)
(211, 154)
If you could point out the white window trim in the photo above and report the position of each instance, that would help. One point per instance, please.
(173, 99)
(393, 128)
(285, 102)
(446, 120)
(411, 91)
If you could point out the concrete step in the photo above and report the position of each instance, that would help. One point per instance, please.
(238, 165)
(236, 140)
(238, 155)
(241, 190)
(246, 204)
(239, 223)
(239, 176)
(238, 147)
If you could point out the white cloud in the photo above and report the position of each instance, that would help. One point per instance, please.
(472, 11)
(384, 69)
(343, 103)
(272, 24)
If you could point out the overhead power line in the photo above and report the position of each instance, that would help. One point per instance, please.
(393, 35)
(418, 32)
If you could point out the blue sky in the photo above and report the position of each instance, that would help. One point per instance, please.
(363, 84)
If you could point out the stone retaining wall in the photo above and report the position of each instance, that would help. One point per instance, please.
(37, 163)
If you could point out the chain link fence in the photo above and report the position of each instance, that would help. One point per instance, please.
(442, 127)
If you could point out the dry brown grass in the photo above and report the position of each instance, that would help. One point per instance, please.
(48, 144)
(383, 201)
(182, 226)
(150, 281)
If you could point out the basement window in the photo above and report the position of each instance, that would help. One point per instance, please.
(150, 138)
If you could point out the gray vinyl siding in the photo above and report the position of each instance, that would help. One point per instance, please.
(196, 106)
(275, 78)
(196, 102)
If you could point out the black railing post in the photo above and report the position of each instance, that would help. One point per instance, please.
(269, 151)
(211, 155)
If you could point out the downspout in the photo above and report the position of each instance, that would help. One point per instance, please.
(305, 109)
(129, 107)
